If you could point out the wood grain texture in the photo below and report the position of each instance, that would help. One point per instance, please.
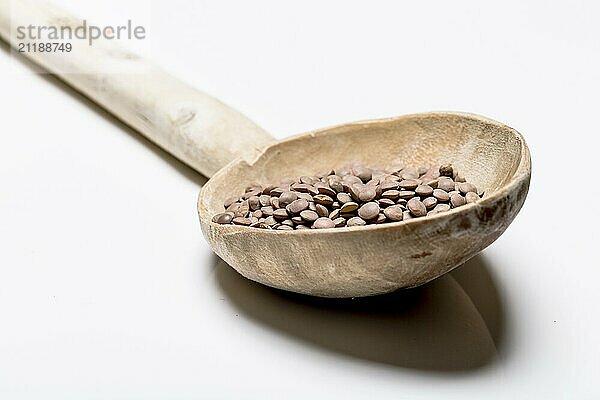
(196, 128)
(363, 261)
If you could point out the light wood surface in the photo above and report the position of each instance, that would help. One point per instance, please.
(362, 261)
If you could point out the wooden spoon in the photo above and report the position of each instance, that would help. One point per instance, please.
(219, 142)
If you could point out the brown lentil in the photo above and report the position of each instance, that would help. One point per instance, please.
(349, 196)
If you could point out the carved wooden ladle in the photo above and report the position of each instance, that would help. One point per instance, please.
(221, 143)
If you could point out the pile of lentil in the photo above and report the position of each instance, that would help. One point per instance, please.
(353, 195)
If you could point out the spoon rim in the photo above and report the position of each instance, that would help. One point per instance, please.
(521, 173)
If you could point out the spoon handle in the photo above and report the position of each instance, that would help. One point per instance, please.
(198, 129)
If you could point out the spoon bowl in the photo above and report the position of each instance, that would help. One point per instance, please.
(374, 259)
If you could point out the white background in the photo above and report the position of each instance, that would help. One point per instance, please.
(108, 290)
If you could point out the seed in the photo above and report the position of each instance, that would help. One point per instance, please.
(355, 190)
(466, 187)
(269, 221)
(349, 207)
(441, 195)
(280, 213)
(409, 173)
(446, 170)
(253, 203)
(380, 219)
(287, 198)
(241, 221)
(306, 179)
(284, 228)
(323, 223)
(433, 173)
(230, 201)
(430, 202)
(223, 218)
(322, 210)
(406, 215)
(373, 183)
(242, 210)
(409, 184)
(247, 195)
(304, 196)
(336, 185)
(385, 202)
(309, 216)
(268, 210)
(394, 213)
(277, 191)
(296, 206)
(351, 179)
(433, 183)
(303, 187)
(389, 185)
(457, 200)
(441, 208)
(334, 214)
(339, 222)
(424, 190)
(264, 200)
(267, 189)
(446, 184)
(233, 207)
(367, 194)
(355, 221)
(416, 207)
(287, 222)
(406, 194)
(368, 211)
(257, 214)
(391, 194)
(365, 174)
(471, 197)
(343, 198)
(323, 199)
(392, 178)
(460, 178)
(394, 168)
(275, 202)
(324, 189)
(299, 227)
